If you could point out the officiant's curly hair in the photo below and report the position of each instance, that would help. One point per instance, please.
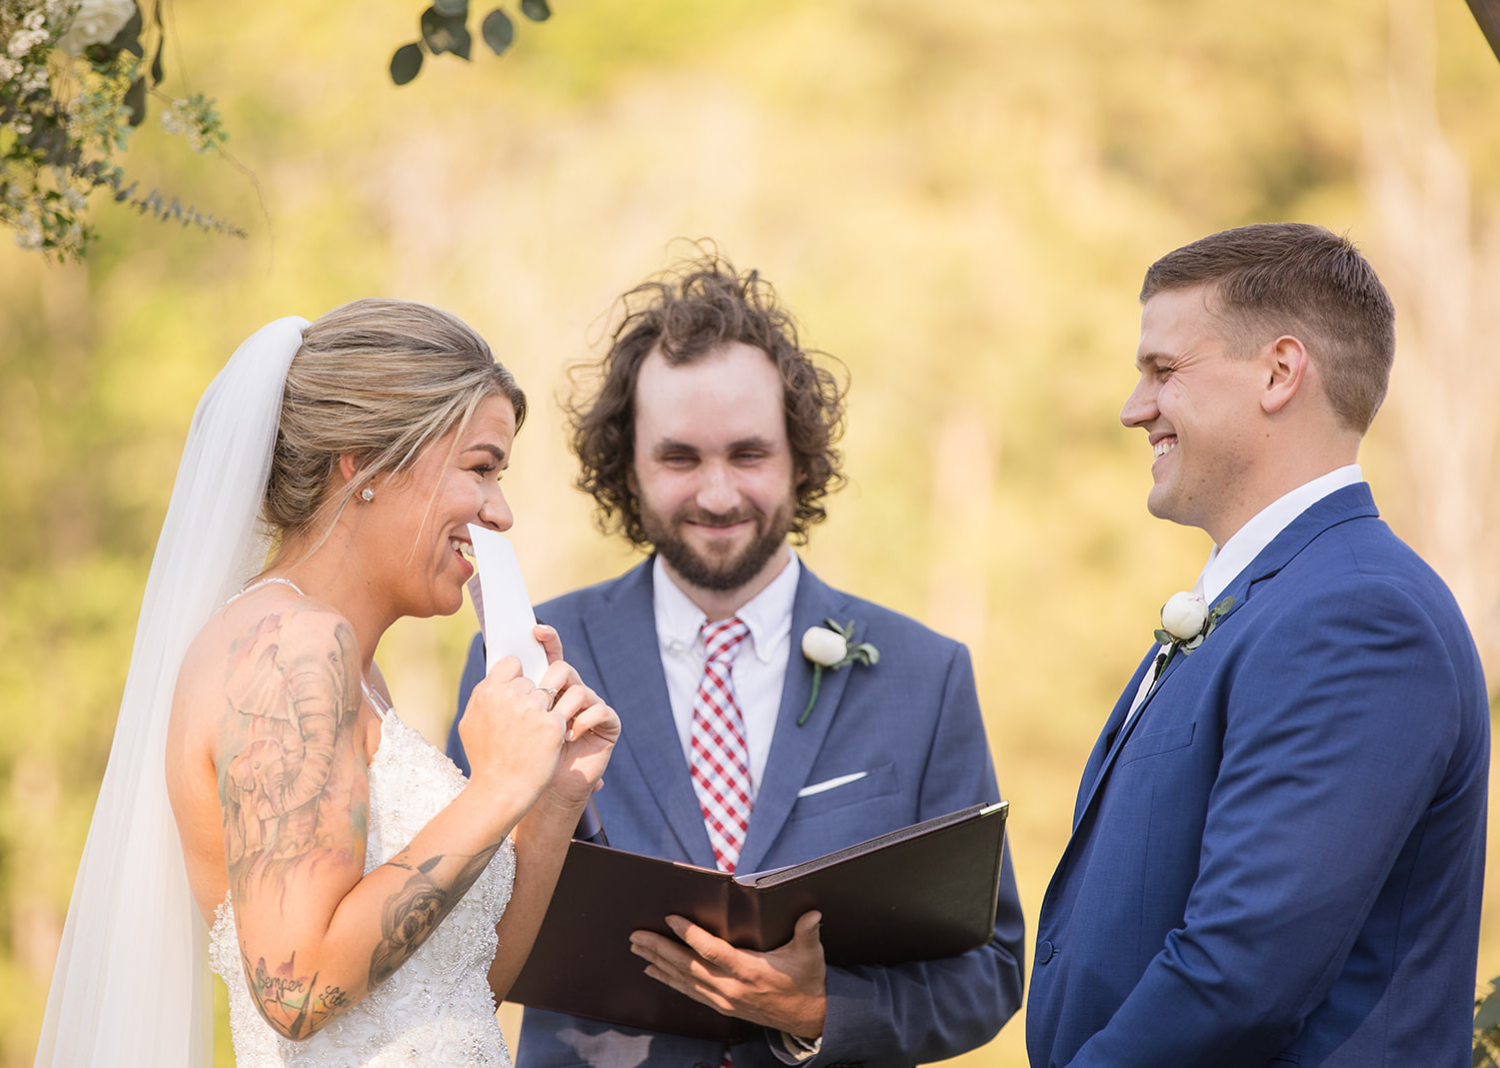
(687, 313)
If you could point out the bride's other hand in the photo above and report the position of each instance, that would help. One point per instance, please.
(550, 640)
(592, 730)
(513, 733)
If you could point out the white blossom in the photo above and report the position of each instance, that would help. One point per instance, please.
(28, 233)
(1183, 616)
(824, 647)
(24, 41)
(97, 22)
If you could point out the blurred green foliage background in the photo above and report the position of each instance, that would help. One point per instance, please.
(958, 199)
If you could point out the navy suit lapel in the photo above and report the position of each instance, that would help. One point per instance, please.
(1104, 744)
(1351, 502)
(621, 630)
(794, 748)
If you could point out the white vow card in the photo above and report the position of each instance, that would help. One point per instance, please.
(505, 615)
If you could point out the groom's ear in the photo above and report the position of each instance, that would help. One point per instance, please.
(1288, 367)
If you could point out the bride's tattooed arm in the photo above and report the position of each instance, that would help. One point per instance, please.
(411, 915)
(294, 792)
(289, 785)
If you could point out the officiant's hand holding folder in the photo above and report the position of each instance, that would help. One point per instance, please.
(919, 893)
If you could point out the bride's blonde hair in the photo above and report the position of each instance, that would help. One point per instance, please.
(379, 380)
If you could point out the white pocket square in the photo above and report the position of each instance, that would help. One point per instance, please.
(829, 784)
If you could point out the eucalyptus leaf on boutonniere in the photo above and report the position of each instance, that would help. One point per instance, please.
(1186, 620)
(832, 647)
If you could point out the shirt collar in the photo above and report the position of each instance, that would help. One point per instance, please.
(1245, 544)
(767, 615)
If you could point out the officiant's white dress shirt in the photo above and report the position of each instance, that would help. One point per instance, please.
(1244, 545)
(759, 674)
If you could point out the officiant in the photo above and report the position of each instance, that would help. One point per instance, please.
(711, 442)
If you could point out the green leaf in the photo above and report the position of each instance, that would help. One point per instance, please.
(872, 654)
(444, 33)
(156, 68)
(462, 43)
(1162, 637)
(129, 37)
(406, 63)
(135, 100)
(536, 10)
(498, 31)
(452, 8)
(1488, 1015)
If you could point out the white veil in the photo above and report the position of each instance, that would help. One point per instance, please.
(131, 988)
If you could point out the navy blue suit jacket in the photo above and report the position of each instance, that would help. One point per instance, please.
(910, 723)
(1279, 858)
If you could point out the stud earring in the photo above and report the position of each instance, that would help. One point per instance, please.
(367, 494)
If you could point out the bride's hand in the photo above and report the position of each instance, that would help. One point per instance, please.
(593, 727)
(513, 732)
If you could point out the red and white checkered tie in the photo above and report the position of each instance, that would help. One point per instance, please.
(721, 762)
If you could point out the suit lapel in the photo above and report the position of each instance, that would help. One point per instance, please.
(1238, 590)
(1351, 502)
(1104, 744)
(621, 629)
(794, 749)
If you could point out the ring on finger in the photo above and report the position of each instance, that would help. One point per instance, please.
(551, 696)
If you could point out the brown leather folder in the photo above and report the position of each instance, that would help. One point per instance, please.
(920, 893)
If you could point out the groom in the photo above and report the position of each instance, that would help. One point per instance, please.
(711, 440)
(1278, 844)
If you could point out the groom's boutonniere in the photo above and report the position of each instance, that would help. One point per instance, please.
(1186, 620)
(832, 647)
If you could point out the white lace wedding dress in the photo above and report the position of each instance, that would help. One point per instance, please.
(437, 1008)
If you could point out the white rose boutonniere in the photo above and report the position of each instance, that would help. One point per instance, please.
(832, 647)
(96, 22)
(1186, 620)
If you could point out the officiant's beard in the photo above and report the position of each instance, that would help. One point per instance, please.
(720, 575)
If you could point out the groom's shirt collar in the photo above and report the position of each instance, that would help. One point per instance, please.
(1228, 560)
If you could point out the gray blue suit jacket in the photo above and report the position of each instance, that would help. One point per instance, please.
(911, 724)
(1279, 858)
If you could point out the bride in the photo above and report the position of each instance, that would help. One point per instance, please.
(336, 871)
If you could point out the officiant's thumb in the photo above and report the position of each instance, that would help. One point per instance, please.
(808, 927)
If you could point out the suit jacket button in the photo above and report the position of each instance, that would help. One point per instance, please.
(1044, 952)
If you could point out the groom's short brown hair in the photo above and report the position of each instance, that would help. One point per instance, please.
(1294, 278)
